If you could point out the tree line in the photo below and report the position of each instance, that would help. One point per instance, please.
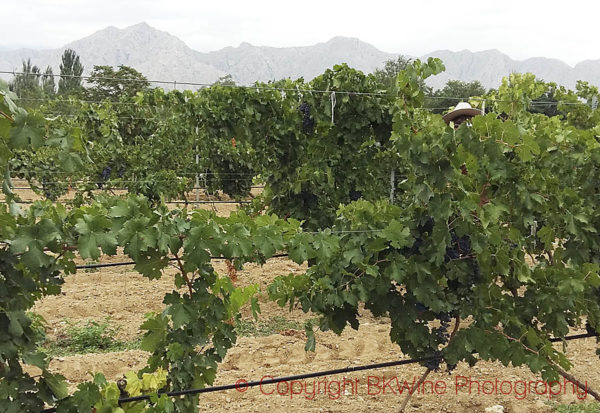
(106, 82)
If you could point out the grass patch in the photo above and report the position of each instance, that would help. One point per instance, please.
(38, 325)
(592, 407)
(86, 337)
(91, 270)
(274, 325)
(93, 336)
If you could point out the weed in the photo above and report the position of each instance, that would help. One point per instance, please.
(38, 325)
(259, 328)
(89, 337)
(593, 407)
(91, 270)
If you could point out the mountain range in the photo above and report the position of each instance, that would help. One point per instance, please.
(162, 56)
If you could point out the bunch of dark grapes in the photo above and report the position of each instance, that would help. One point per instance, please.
(106, 173)
(121, 171)
(355, 195)
(434, 364)
(308, 124)
(47, 193)
(451, 254)
(459, 247)
(427, 226)
(309, 199)
(104, 176)
(442, 331)
(443, 336)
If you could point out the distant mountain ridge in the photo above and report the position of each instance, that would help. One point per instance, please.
(162, 56)
(490, 66)
(157, 54)
(248, 63)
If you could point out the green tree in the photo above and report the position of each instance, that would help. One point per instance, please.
(108, 83)
(71, 70)
(48, 85)
(451, 94)
(226, 80)
(26, 84)
(388, 73)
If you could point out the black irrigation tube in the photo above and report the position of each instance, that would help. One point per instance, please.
(241, 385)
(118, 264)
(244, 384)
(574, 337)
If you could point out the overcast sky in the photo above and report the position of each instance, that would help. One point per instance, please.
(567, 30)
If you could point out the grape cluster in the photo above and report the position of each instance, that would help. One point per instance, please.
(427, 226)
(355, 195)
(308, 124)
(106, 173)
(121, 171)
(442, 331)
(47, 190)
(434, 364)
(443, 336)
(104, 176)
(459, 248)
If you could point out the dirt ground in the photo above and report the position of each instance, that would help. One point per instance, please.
(125, 296)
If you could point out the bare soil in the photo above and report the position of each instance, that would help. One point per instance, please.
(125, 297)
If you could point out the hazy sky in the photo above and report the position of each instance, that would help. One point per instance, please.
(567, 30)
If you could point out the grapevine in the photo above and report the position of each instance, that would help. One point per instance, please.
(494, 223)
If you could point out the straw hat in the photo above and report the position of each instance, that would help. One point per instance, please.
(462, 109)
